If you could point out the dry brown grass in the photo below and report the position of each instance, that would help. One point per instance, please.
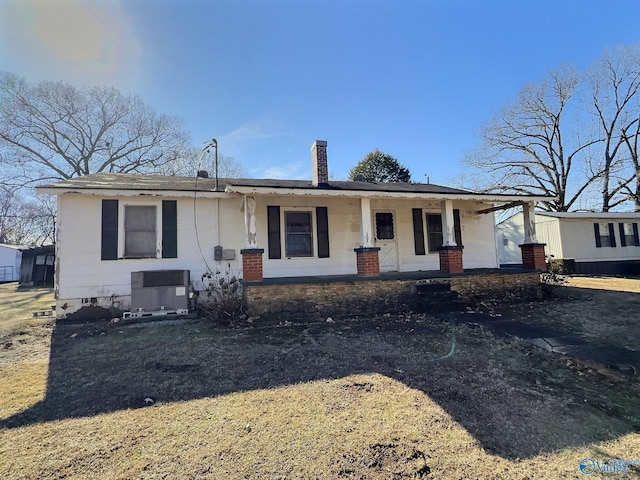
(358, 399)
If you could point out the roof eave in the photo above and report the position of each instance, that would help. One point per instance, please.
(319, 192)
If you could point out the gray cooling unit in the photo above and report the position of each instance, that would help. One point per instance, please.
(159, 290)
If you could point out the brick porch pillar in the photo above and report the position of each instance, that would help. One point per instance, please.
(533, 256)
(451, 259)
(367, 261)
(252, 264)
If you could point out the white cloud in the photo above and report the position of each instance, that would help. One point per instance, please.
(259, 129)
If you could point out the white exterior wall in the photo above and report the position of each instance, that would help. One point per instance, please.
(80, 273)
(565, 238)
(478, 236)
(10, 258)
(580, 243)
(344, 236)
(510, 235)
(548, 231)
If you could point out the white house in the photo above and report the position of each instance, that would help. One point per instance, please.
(110, 226)
(10, 257)
(600, 243)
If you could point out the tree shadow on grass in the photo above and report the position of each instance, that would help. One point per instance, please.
(496, 390)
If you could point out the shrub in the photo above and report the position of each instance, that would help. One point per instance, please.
(562, 266)
(222, 299)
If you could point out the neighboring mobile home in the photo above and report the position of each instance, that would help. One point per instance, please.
(117, 233)
(600, 243)
(10, 258)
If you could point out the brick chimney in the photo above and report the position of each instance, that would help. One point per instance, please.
(319, 163)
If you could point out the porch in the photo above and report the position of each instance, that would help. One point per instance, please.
(317, 298)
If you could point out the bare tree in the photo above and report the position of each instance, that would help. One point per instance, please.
(631, 137)
(530, 146)
(614, 82)
(15, 219)
(52, 130)
(194, 159)
(41, 214)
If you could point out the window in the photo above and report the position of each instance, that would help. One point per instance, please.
(604, 234)
(132, 231)
(435, 233)
(298, 234)
(629, 234)
(384, 226)
(139, 231)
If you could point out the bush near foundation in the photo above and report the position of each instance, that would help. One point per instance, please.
(222, 299)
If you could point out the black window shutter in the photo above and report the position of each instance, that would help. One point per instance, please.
(169, 229)
(596, 231)
(418, 231)
(456, 226)
(273, 232)
(623, 240)
(612, 235)
(636, 237)
(322, 222)
(109, 238)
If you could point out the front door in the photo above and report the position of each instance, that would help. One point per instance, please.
(385, 238)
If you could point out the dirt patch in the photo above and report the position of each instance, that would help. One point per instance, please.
(395, 396)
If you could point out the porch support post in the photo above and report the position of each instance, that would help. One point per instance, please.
(533, 254)
(450, 252)
(448, 224)
(366, 233)
(367, 261)
(529, 222)
(251, 254)
(249, 208)
(252, 264)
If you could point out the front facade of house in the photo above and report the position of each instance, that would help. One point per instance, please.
(110, 225)
(600, 243)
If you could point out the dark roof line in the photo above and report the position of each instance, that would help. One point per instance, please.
(128, 181)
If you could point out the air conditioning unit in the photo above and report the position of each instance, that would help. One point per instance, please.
(156, 292)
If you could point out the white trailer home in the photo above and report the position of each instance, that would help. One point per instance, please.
(600, 243)
(10, 258)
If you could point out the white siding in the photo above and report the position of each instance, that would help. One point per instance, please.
(565, 237)
(580, 241)
(344, 236)
(80, 273)
(10, 258)
(548, 232)
(509, 235)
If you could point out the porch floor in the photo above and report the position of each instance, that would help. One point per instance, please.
(419, 275)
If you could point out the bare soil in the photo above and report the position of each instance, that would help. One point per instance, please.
(389, 397)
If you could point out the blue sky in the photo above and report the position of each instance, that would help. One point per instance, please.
(414, 78)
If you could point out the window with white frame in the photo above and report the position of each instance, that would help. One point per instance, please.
(140, 231)
(298, 234)
(605, 235)
(136, 231)
(629, 235)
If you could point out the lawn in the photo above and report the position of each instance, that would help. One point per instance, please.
(389, 397)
